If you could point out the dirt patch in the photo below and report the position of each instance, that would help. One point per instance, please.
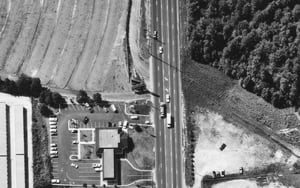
(246, 149)
(247, 184)
(139, 28)
(86, 135)
(142, 156)
(87, 151)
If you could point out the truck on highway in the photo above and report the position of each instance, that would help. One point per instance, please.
(162, 110)
(169, 120)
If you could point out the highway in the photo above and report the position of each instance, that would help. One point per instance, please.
(165, 77)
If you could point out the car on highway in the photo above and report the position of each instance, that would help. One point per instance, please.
(74, 165)
(155, 34)
(168, 98)
(75, 141)
(169, 120)
(55, 181)
(160, 50)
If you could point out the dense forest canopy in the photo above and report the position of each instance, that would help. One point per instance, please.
(256, 41)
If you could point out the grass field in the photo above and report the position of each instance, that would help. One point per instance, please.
(142, 156)
(69, 44)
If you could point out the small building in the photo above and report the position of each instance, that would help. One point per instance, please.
(109, 140)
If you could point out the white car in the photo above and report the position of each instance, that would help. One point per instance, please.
(98, 169)
(53, 155)
(75, 142)
(53, 127)
(53, 148)
(53, 145)
(53, 133)
(53, 152)
(74, 165)
(168, 98)
(53, 130)
(95, 165)
(55, 181)
(161, 50)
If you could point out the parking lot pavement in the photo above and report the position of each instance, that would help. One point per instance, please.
(85, 173)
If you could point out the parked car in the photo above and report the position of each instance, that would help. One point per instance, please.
(53, 152)
(53, 155)
(55, 181)
(75, 142)
(223, 173)
(53, 148)
(241, 170)
(74, 131)
(53, 130)
(74, 165)
(53, 133)
(53, 127)
(95, 165)
(86, 120)
(98, 169)
(53, 145)
(134, 117)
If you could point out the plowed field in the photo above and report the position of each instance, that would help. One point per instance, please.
(71, 44)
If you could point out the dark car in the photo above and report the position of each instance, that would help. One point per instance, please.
(86, 120)
(222, 147)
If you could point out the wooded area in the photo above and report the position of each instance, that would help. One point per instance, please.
(255, 41)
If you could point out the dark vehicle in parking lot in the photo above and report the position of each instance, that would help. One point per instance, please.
(86, 120)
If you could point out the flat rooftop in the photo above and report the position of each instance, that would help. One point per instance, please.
(108, 138)
(108, 164)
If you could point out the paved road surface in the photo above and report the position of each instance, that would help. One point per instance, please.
(166, 80)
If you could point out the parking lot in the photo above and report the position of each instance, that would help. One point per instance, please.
(68, 151)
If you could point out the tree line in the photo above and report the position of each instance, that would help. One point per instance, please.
(254, 41)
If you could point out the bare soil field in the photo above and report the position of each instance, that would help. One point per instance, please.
(139, 28)
(142, 156)
(220, 111)
(70, 44)
(248, 184)
(243, 148)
